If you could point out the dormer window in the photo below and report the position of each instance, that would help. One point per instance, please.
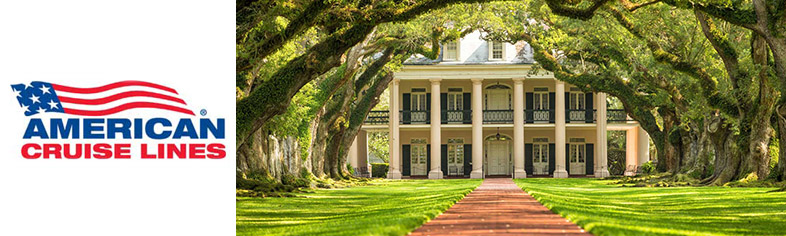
(451, 51)
(497, 50)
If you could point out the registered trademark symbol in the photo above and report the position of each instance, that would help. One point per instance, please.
(203, 112)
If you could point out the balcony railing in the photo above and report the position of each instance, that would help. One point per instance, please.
(378, 117)
(497, 116)
(578, 116)
(415, 116)
(457, 116)
(535, 115)
(617, 115)
(493, 116)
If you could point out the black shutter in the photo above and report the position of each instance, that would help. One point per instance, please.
(567, 159)
(444, 159)
(552, 101)
(589, 105)
(467, 116)
(428, 159)
(567, 107)
(530, 105)
(552, 151)
(467, 159)
(406, 107)
(405, 159)
(428, 108)
(590, 164)
(443, 106)
(528, 159)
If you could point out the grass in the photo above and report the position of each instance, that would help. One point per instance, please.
(383, 207)
(606, 209)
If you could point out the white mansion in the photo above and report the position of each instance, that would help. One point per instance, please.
(479, 111)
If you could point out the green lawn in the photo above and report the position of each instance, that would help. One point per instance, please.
(605, 209)
(383, 208)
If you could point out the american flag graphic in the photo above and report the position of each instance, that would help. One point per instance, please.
(39, 97)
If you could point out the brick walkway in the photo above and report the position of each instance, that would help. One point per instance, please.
(499, 207)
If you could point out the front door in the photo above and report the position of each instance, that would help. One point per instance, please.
(418, 157)
(498, 157)
(578, 159)
(455, 157)
(540, 158)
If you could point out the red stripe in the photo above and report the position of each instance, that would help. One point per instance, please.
(119, 96)
(64, 88)
(127, 106)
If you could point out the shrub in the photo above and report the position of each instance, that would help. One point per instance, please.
(350, 169)
(291, 180)
(648, 168)
(379, 170)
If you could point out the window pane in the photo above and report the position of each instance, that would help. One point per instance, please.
(573, 101)
(451, 101)
(459, 102)
(536, 101)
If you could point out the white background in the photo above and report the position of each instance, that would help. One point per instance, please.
(186, 45)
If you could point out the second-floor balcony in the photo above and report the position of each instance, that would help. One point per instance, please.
(378, 117)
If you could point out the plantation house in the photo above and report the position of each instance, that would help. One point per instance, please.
(481, 110)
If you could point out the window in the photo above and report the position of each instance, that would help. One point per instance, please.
(577, 99)
(455, 99)
(577, 150)
(418, 100)
(497, 50)
(540, 153)
(419, 152)
(451, 51)
(541, 100)
(455, 156)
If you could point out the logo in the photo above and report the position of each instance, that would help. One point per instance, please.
(87, 132)
(40, 97)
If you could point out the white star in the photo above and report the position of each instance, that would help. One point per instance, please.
(26, 108)
(44, 89)
(41, 110)
(27, 85)
(16, 92)
(52, 104)
(35, 99)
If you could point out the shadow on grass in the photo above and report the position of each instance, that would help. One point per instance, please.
(387, 208)
(604, 209)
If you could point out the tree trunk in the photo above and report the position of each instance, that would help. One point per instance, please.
(780, 169)
(759, 118)
(698, 152)
(273, 96)
(727, 155)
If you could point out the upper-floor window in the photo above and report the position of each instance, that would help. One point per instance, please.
(497, 50)
(418, 100)
(451, 51)
(455, 99)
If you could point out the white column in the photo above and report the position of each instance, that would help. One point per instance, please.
(518, 129)
(394, 172)
(436, 132)
(477, 129)
(559, 131)
(602, 168)
(353, 154)
(362, 154)
(630, 151)
(644, 146)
